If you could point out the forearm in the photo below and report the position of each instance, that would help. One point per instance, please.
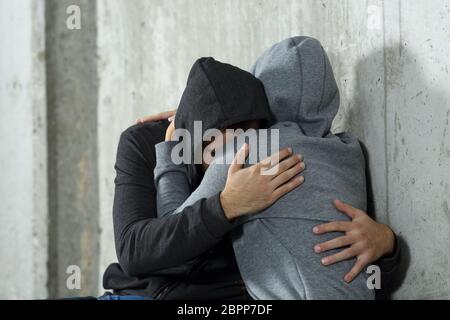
(154, 244)
(145, 242)
(171, 180)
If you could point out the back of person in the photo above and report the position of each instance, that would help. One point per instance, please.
(274, 249)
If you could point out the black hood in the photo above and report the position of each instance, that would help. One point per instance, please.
(220, 95)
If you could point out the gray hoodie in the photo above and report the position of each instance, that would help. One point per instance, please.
(274, 248)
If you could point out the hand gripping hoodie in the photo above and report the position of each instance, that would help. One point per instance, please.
(274, 248)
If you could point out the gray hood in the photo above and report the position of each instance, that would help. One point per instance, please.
(299, 83)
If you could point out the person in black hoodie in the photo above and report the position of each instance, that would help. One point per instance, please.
(188, 255)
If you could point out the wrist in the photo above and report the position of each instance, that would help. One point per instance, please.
(390, 240)
(227, 206)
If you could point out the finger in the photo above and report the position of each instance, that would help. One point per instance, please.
(157, 117)
(269, 164)
(340, 256)
(239, 158)
(277, 157)
(339, 226)
(287, 174)
(287, 163)
(356, 269)
(170, 131)
(347, 209)
(335, 243)
(287, 187)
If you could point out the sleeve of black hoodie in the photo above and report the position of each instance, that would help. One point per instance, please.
(388, 266)
(144, 242)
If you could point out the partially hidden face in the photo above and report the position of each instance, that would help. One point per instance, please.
(210, 147)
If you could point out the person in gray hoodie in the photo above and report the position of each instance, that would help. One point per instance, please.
(273, 248)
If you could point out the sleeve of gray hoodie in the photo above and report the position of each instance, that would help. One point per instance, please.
(171, 180)
(174, 192)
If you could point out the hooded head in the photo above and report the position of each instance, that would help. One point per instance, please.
(220, 95)
(299, 83)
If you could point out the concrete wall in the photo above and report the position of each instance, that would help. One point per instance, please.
(391, 61)
(132, 58)
(72, 88)
(418, 143)
(23, 186)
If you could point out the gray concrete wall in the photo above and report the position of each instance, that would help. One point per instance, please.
(23, 186)
(132, 58)
(72, 87)
(418, 142)
(391, 61)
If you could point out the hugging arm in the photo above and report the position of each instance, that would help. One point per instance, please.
(171, 180)
(144, 242)
(173, 186)
(365, 239)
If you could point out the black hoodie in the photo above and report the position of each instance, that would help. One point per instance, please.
(185, 256)
(220, 95)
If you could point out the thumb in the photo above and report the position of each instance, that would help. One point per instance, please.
(239, 158)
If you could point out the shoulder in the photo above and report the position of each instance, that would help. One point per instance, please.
(143, 135)
(153, 132)
(137, 143)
